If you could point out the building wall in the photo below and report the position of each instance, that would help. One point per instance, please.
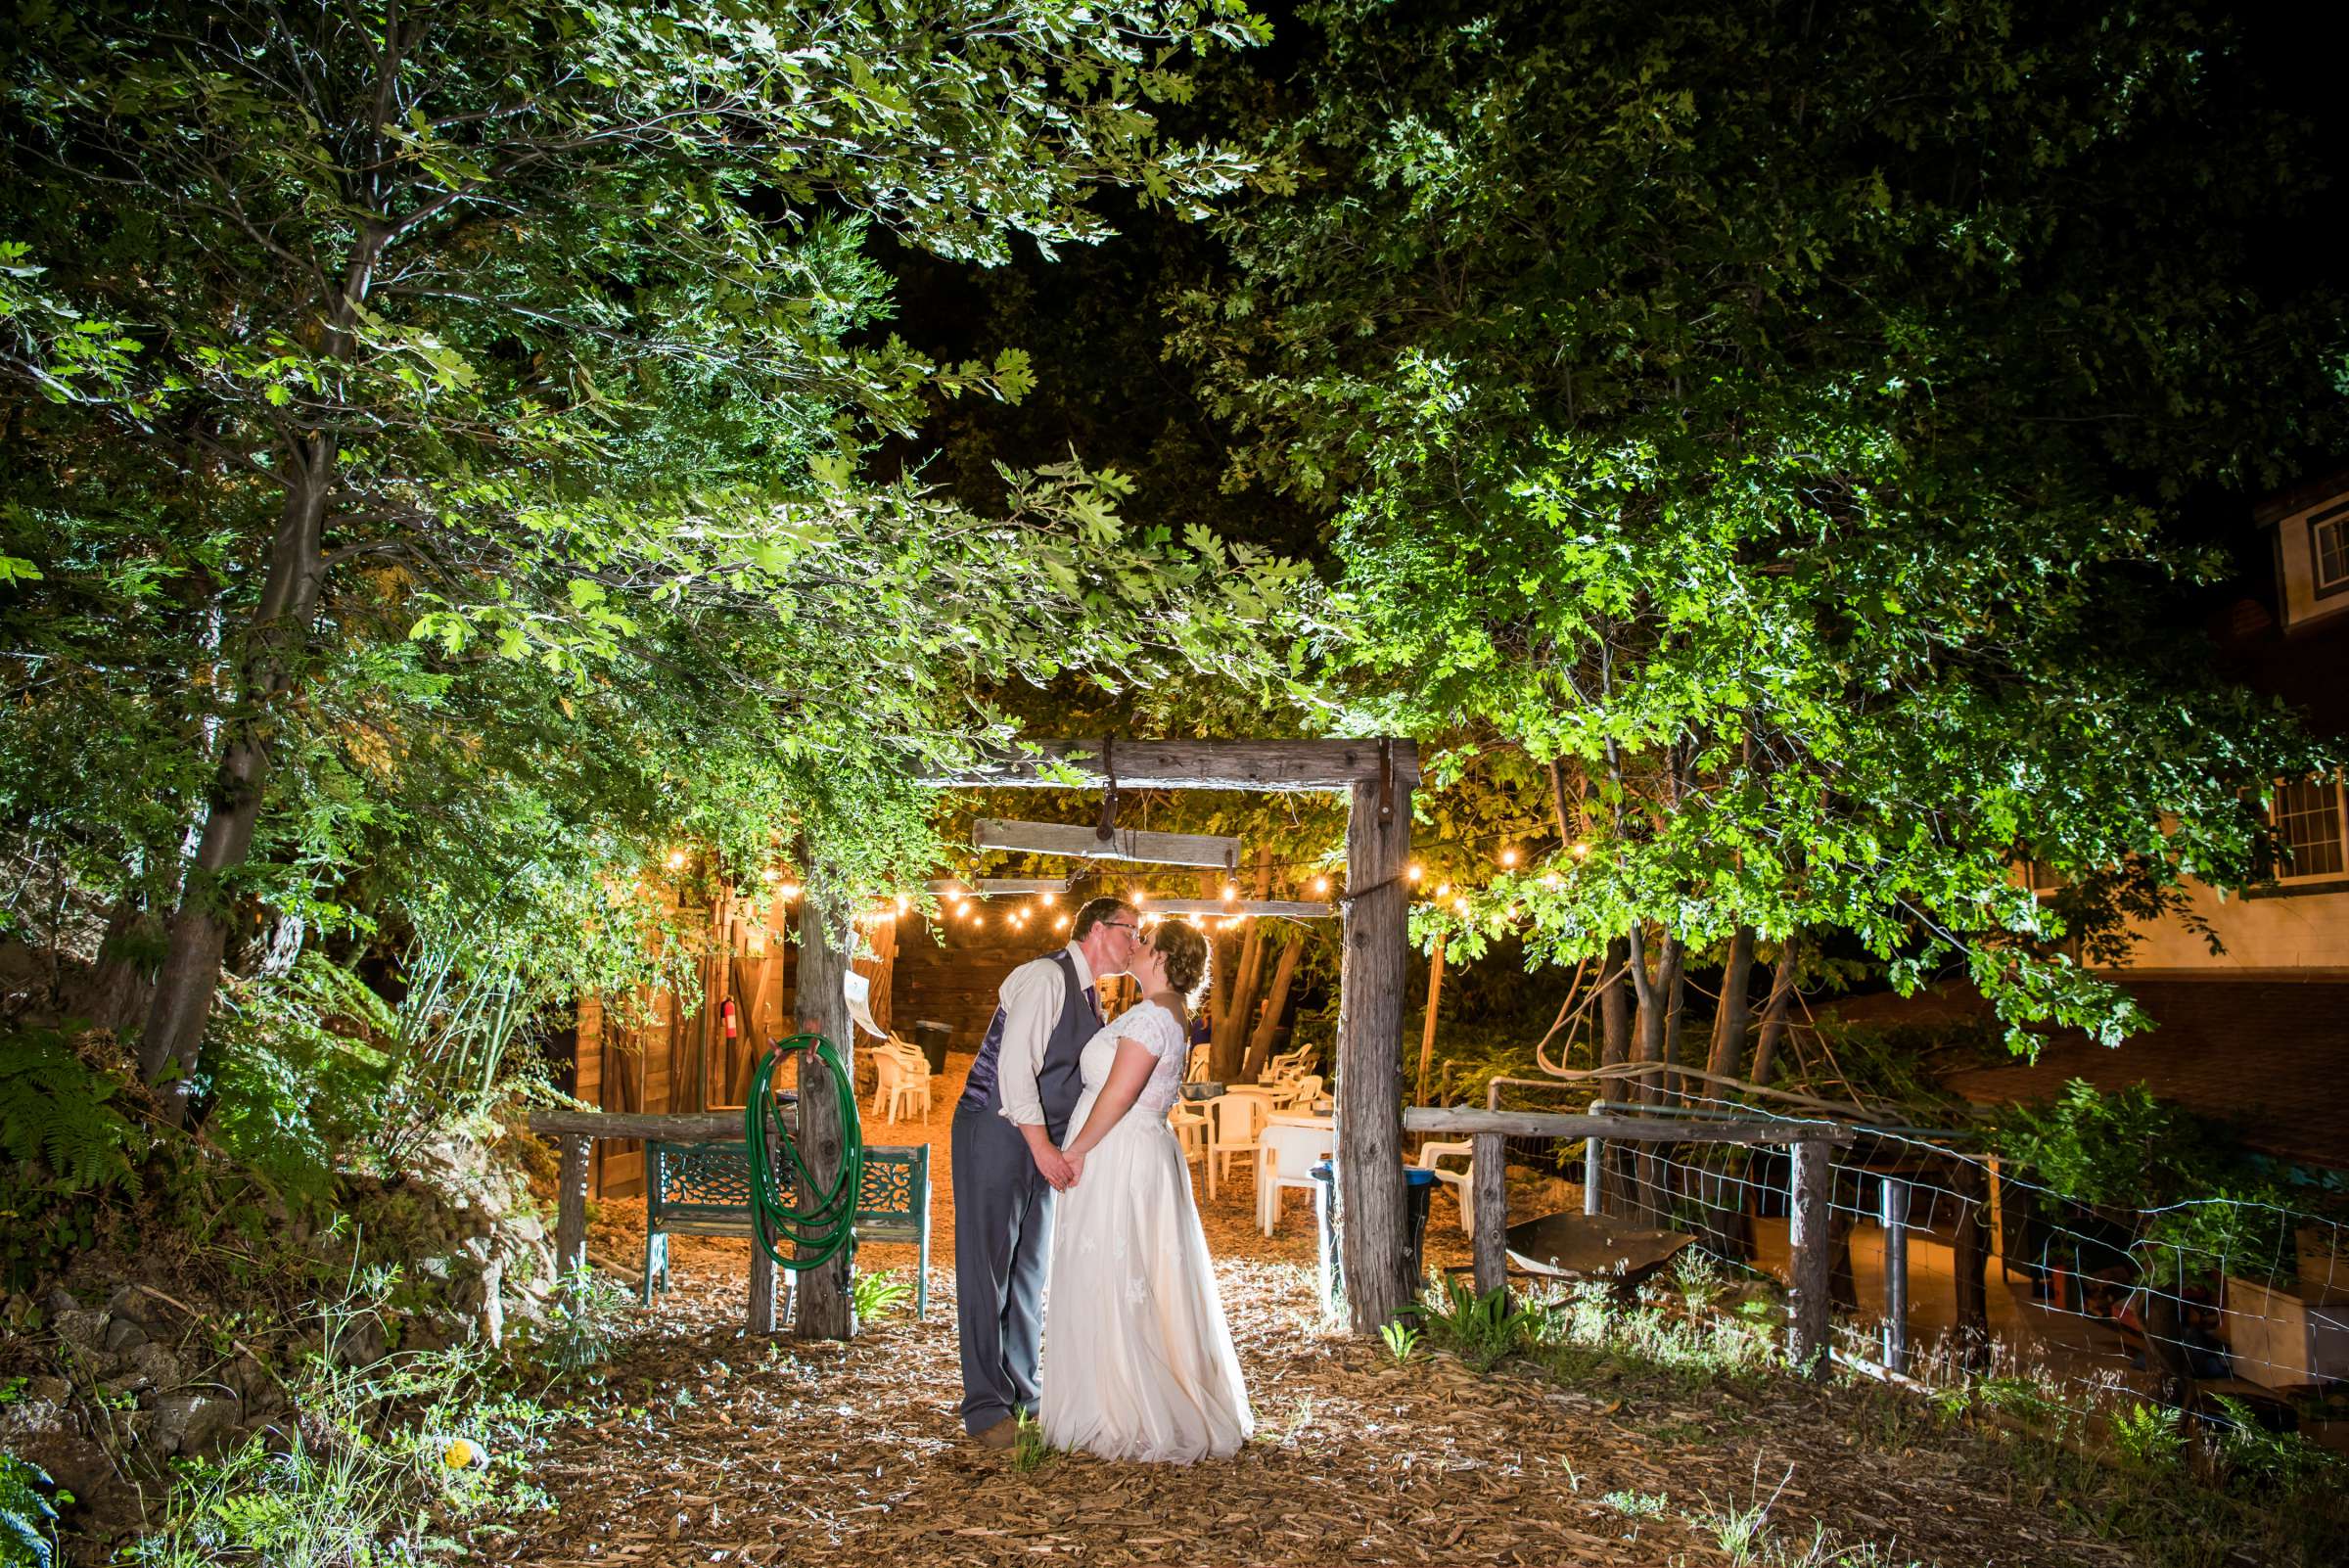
(2267, 935)
(950, 973)
(2302, 605)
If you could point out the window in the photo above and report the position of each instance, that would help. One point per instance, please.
(2328, 550)
(2308, 816)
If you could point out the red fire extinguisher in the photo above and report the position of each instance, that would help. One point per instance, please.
(725, 1010)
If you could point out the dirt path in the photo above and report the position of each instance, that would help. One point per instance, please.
(713, 1447)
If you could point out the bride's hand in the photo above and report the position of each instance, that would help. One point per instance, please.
(1075, 1167)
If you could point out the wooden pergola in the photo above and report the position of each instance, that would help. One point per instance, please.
(1377, 777)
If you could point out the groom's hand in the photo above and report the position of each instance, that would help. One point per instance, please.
(1057, 1168)
(1048, 1160)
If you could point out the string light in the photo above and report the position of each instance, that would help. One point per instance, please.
(1231, 893)
(903, 903)
(1581, 849)
(1509, 857)
(676, 859)
(788, 892)
(1140, 897)
(1550, 879)
(1062, 924)
(770, 876)
(1460, 904)
(1443, 890)
(1412, 873)
(1321, 886)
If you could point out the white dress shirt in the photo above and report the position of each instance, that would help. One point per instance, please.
(1031, 998)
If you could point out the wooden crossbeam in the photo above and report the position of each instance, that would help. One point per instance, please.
(1292, 908)
(1084, 842)
(1619, 1128)
(1285, 765)
(1002, 887)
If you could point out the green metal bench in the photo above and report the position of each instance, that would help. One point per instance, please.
(704, 1189)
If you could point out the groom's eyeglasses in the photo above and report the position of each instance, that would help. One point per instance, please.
(1120, 925)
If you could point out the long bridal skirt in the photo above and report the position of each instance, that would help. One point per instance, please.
(1138, 1362)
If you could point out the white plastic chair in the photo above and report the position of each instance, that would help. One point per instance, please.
(1239, 1120)
(1194, 1066)
(901, 1080)
(1192, 1127)
(1286, 1159)
(1299, 1093)
(1459, 1180)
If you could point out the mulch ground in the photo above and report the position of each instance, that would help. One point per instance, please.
(709, 1445)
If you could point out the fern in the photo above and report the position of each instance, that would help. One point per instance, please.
(58, 1112)
(27, 1518)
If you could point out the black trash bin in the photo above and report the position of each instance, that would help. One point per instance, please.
(931, 1036)
(1418, 1186)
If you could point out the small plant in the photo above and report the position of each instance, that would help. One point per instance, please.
(1637, 1504)
(1485, 1330)
(2148, 1435)
(1031, 1452)
(875, 1294)
(28, 1514)
(586, 1320)
(1402, 1340)
(1744, 1532)
(1699, 1279)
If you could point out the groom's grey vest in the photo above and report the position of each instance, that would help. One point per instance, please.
(1059, 1081)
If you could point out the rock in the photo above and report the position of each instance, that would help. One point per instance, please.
(363, 1343)
(20, 1310)
(478, 1248)
(54, 1388)
(105, 1504)
(147, 1366)
(84, 1326)
(132, 1303)
(525, 1227)
(37, 1413)
(61, 1300)
(434, 1269)
(123, 1334)
(491, 1310)
(196, 1424)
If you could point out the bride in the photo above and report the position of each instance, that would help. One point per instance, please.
(1138, 1362)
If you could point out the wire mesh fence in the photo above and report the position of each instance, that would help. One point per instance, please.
(1952, 1266)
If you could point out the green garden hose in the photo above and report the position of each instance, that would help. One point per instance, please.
(826, 1227)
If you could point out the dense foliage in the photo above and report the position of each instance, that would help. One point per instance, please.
(1779, 416)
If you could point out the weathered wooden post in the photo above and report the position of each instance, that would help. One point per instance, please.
(1810, 1258)
(1970, 1261)
(1490, 1179)
(570, 1209)
(1893, 1210)
(1373, 954)
(1594, 1175)
(823, 1308)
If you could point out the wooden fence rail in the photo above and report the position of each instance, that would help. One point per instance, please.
(1811, 1255)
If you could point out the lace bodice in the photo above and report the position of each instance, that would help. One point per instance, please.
(1153, 1025)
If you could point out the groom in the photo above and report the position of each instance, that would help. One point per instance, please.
(1008, 1129)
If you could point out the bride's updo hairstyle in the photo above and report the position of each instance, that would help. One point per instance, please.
(1184, 947)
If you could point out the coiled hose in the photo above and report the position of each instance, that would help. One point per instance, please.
(825, 1228)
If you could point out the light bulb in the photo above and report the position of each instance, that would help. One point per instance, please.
(1231, 893)
(1062, 924)
(1509, 857)
(1443, 890)
(1411, 874)
(1321, 886)
(770, 876)
(1581, 849)
(788, 892)
(676, 859)
(1460, 904)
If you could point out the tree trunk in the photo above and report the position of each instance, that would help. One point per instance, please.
(1727, 1058)
(1676, 1012)
(278, 635)
(1235, 1021)
(1276, 1001)
(826, 1310)
(1773, 1013)
(1615, 1006)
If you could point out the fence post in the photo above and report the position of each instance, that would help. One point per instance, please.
(1810, 1258)
(1970, 1259)
(1490, 1178)
(1893, 1212)
(1594, 1173)
(570, 1208)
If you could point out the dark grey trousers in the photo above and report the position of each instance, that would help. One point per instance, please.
(1002, 1246)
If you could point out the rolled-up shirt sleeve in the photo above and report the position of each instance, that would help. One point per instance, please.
(1031, 998)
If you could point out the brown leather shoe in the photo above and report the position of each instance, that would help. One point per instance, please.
(1004, 1434)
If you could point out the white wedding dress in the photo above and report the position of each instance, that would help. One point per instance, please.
(1138, 1361)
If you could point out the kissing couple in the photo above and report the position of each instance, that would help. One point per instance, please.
(1140, 1362)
